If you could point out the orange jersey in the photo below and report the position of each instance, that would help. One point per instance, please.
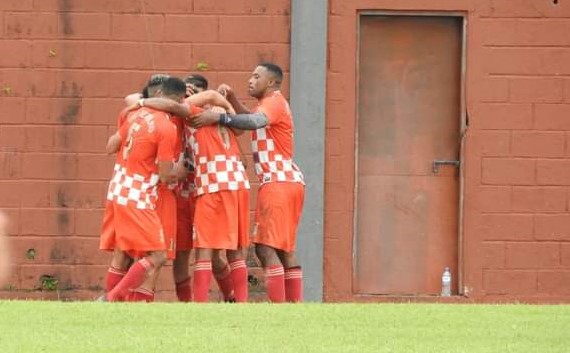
(272, 145)
(217, 160)
(149, 138)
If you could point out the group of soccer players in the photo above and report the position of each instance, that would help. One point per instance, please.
(179, 184)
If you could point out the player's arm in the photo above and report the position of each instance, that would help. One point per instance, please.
(166, 105)
(165, 152)
(228, 92)
(251, 121)
(113, 143)
(132, 99)
(210, 97)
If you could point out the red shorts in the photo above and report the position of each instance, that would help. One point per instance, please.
(277, 214)
(184, 219)
(107, 241)
(166, 210)
(132, 230)
(221, 220)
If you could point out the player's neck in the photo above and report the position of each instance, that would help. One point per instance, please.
(269, 92)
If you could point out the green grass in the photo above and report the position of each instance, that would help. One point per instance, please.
(104, 327)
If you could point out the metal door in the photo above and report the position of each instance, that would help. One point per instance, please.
(408, 135)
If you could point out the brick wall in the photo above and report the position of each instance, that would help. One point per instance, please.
(64, 69)
(516, 238)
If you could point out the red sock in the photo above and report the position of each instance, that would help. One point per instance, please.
(201, 283)
(141, 295)
(133, 279)
(275, 283)
(239, 279)
(225, 283)
(294, 284)
(184, 290)
(114, 276)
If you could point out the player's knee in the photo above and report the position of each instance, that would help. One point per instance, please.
(158, 258)
(265, 254)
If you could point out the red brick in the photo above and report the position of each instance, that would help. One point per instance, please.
(58, 54)
(28, 82)
(337, 276)
(15, 5)
(118, 55)
(220, 57)
(81, 138)
(82, 194)
(565, 255)
(502, 116)
(526, 61)
(49, 166)
(278, 7)
(276, 53)
(37, 194)
(341, 200)
(53, 111)
(553, 172)
(544, 90)
(84, 25)
(88, 222)
(10, 165)
(191, 29)
(133, 6)
(13, 110)
(506, 227)
(30, 25)
(13, 138)
(13, 216)
(167, 6)
(538, 144)
(124, 83)
(490, 199)
(95, 166)
(539, 199)
(336, 170)
(133, 27)
(238, 81)
(100, 111)
(337, 112)
(510, 282)
(172, 56)
(336, 142)
(552, 227)
(521, 32)
(508, 171)
(82, 83)
(491, 90)
(524, 8)
(10, 191)
(552, 117)
(532, 255)
(44, 221)
(493, 255)
(257, 29)
(222, 7)
(57, 250)
(490, 143)
(554, 282)
(19, 53)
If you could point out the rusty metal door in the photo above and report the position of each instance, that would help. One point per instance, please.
(409, 122)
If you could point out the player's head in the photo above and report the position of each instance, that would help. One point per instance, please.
(173, 88)
(196, 83)
(266, 77)
(153, 85)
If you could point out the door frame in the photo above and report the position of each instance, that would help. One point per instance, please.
(462, 133)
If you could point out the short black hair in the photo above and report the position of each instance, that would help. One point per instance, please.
(274, 69)
(197, 80)
(173, 86)
(153, 84)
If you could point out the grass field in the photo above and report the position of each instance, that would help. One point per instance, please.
(104, 327)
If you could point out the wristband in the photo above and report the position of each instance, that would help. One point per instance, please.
(140, 102)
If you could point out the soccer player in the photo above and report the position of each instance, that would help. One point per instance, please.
(148, 143)
(281, 194)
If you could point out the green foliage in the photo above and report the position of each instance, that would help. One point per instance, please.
(202, 66)
(426, 328)
(49, 282)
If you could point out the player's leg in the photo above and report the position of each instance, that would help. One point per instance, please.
(293, 276)
(120, 263)
(223, 275)
(202, 274)
(181, 274)
(274, 273)
(237, 258)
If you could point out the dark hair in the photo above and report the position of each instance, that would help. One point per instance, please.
(197, 80)
(153, 83)
(275, 70)
(173, 86)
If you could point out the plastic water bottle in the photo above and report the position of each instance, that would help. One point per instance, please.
(446, 282)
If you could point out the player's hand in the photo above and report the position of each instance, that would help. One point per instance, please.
(207, 117)
(190, 90)
(226, 91)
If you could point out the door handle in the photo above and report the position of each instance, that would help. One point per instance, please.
(438, 162)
